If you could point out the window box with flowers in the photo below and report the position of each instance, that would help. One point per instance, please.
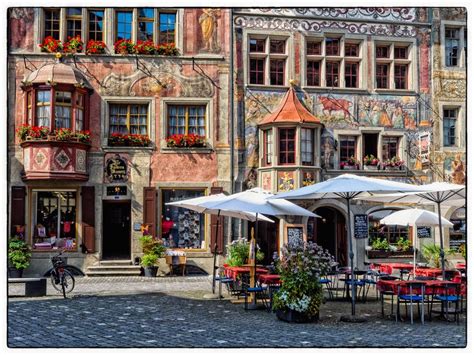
(95, 47)
(393, 164)
(51, 45)
(28, 133)
(129, 140)
(73, 45)
(371, 162)
(186, 141)
(350, 164)
(145, 47)
(124, 46)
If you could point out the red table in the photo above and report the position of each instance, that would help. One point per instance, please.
(431, 286)
(235, 271)
(427, 271)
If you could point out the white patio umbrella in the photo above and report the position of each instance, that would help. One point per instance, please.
(436, 193)
(196, 204)
(414, 217)
(257, 201)
(348, 186)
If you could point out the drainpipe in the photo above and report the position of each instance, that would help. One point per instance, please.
(231, 109)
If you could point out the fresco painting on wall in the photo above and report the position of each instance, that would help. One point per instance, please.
(335, 111)
(328, 147)
(390, 111)
(308, 178)
(424, 143)
(267, 181)
(286, 180)
(454, 169)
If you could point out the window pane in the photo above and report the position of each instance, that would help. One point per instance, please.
(145, 31)
(400, 76)
(277, 71)
(181, 228)
(347, 148)
(277, 46)
(123, 25)
(451, 46)
(287, 146)
(382, 75)
(313, 73)
(351, 50)
(382, 51)
(389, 147)
(449, 127)
(167, 28)
(51, 23)
(96, 18)
(332, 74)
(147, 12)
(43, 107)
(332, 46)
(306, 146)
(400, 53)
(313, 48)
(257, 71)
(351, 75)
(257, 45)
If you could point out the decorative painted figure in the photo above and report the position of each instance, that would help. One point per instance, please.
(458, 176)
(208, 22)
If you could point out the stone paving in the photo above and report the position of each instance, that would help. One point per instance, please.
(137, 312)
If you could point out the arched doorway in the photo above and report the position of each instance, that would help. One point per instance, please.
(330, 232)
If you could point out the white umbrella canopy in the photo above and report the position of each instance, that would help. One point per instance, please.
(414, 217)
(348, 186)
(436, 193)
(196, 204)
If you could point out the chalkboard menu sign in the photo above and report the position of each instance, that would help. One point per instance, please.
(361, 226)
(294, 233)
(423, 232)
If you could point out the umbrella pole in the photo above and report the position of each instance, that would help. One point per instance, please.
(215, 255)
(441, 253)
(415, 233)
(351, 254)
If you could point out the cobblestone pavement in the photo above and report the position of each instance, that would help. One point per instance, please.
(171, 312)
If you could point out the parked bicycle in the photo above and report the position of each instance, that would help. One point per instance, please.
(61, 278)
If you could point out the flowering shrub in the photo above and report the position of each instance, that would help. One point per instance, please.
(371, 160)
(51, 45)
(119, 139)
(350, 162)
(186, 140)
(238, 252)
(168, 49)
(95, 47)
(73, 45)
(395, 162)
(145, 47)
(124, 46)
(300, 267)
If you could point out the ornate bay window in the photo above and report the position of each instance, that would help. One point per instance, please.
(290, 146)
(53, 133)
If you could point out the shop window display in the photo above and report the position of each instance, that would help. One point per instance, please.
(181, 228)
(392, 234)
(457, 234)
(54, 219)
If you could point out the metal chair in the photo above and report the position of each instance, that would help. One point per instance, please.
(414, 295)
(258, 291)
(384, 293)
(446, 295)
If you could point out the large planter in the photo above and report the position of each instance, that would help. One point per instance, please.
(150, 271)
(291, 316)
(371, 167)
(374, 254)
(15, 273)
(350, 167)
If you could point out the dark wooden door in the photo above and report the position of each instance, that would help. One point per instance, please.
(116, 229)
(331, 233)
(267, 239)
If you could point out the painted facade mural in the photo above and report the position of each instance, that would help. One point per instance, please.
(454, 168)
(267, 181)
(286, 180)
(388, 111)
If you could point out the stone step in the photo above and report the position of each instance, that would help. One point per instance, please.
(115, 262)
(113, 273)
(113, 268)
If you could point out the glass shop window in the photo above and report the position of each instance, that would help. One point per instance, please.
(182, 228)
(54, 220)
(457, 234)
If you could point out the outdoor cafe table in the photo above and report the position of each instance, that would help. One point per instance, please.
(269, 279)
(235, 271)
(429, 272)
(430, 285)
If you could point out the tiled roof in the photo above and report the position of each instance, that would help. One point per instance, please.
(290, 110)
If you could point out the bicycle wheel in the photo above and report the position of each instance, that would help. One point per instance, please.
(67, 282)
(55, 281)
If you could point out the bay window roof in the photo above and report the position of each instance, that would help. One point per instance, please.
(290, 110)
(56, 73)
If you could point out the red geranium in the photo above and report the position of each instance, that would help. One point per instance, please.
(95, 47)
(51, 45)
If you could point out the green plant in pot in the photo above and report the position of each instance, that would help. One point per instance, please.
(19, 256)
(238, 253)
(301, 266)
(153, 249)
(403, 244)
(431, 253)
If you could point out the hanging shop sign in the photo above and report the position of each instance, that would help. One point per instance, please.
(294, 231)
(361, 226)
(424, 143)
(116, 168)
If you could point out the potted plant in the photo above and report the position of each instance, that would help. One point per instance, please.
(73, 45)
(238, 252)
(351, 164)
(186, 141)
(145, 47)
(168, 49)
(371, 162)
(153, 249)
(64, 134)
(431, 253)
(83, 136)
(379, 248)
(301, 294)
(394, 163)
(19, 256)
(403, 247)
(95, 47)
